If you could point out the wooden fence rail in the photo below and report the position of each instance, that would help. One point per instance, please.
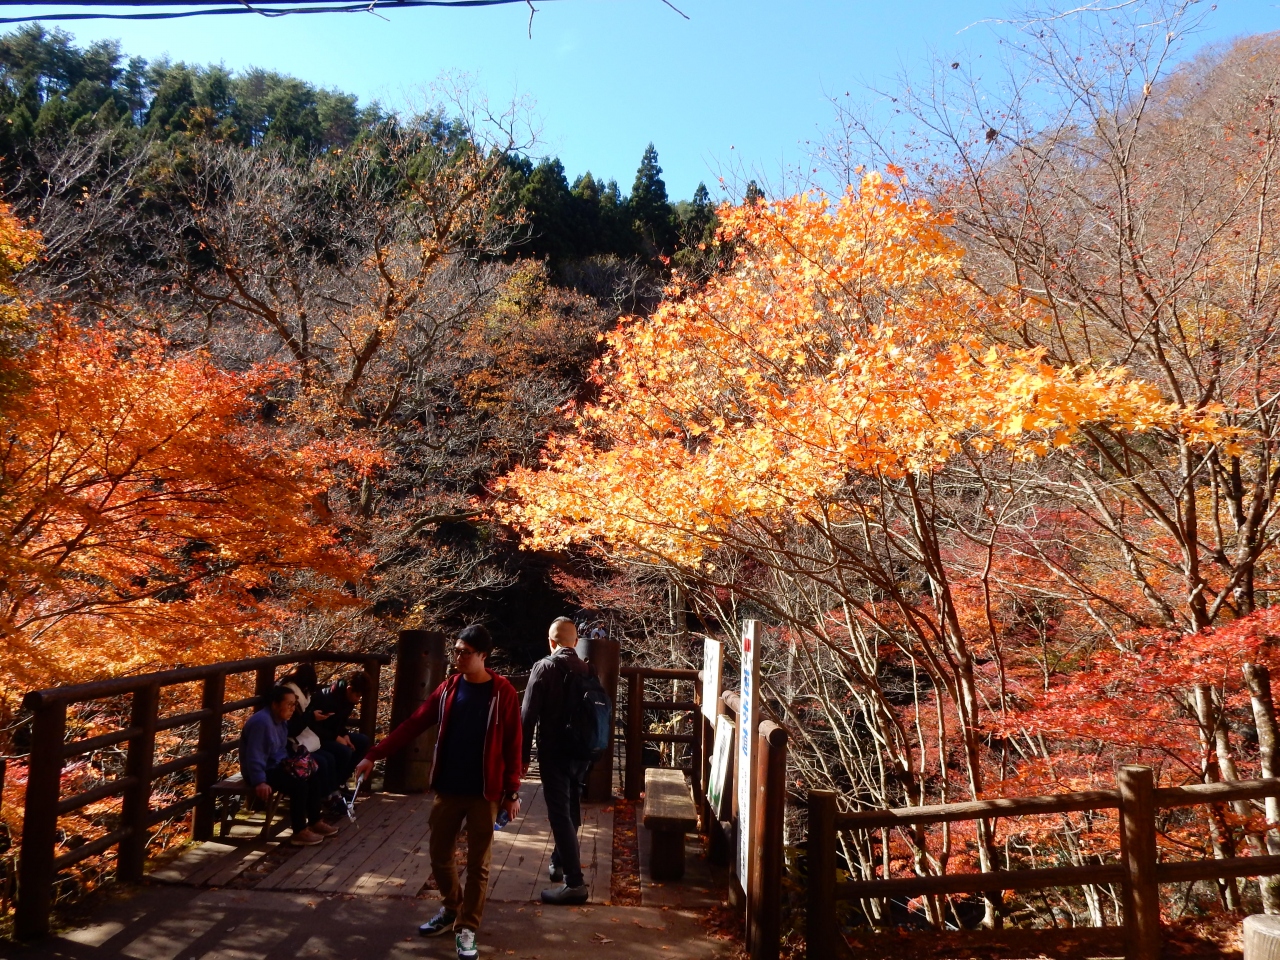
(638, 733)
(1139, 871)
(38, 864)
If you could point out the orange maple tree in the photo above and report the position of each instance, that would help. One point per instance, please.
(842, 343)
(823, 431)
(146, 518)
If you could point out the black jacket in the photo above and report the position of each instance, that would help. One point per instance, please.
(544, 702)
(332, 699)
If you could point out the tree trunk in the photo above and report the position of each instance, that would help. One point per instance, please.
(1258, 679)
(1227, 767)
(1206, 715)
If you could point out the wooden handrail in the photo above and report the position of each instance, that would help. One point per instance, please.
(671, 706)
(38, 863)
(1139, 871)
(117, 686)
(949, 883)
(659, 673)
(1195, 793)
(979, 810)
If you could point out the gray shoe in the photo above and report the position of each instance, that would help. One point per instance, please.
(565, 894)
(555, 873)
(438, 924)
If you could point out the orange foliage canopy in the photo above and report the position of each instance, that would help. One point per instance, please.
(145, 519)
(842, 343)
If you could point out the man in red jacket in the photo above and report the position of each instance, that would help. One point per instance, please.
(476, 769)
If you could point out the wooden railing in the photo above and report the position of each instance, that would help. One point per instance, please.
(39, 864)
(1139, 871)
(638, 733)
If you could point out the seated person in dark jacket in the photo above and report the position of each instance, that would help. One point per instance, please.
(332, 709)
(265, 764)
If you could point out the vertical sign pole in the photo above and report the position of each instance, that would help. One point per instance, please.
(748, 717)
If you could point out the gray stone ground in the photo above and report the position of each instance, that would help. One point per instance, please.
(184, 923)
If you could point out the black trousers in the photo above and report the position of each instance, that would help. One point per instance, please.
(303, 793)
(562, 790)
(345, 758)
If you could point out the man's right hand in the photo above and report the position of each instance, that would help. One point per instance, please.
(263, 791)
(364, 768)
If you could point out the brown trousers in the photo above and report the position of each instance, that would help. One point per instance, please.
(448, 811)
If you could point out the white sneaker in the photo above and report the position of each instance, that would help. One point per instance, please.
(466, 942)
(441, 922)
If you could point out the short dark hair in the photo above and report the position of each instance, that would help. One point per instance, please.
(477, 638)
(278, 693)
(358, 682)
(304, 675)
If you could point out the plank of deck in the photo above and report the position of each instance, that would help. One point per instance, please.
(368, 842)
(200, 855)
(234, 868)
(386, 853)
(312, 866)
(215, 866)
(521, 853)
(389, 871)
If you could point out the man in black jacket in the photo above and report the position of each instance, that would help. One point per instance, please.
(546, 707)
(332, 707)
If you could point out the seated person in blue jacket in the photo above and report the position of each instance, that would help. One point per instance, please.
(267, 765)
(332, 708)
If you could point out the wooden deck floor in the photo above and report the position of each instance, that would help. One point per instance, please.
(384, 853)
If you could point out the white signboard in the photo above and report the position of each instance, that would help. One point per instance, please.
(719, 791)
(712, 665)
(748, 717)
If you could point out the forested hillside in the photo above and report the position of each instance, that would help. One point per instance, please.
(404, 306)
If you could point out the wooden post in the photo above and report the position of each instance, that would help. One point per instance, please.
(635, 736)
(820, 858)
(1261, 937)
(266, 679)
(369, 704)
(209, 743)
(135, 809)
(40, 822)
(406, 690)
(1138, 852)
(764, 907)
(603, 653)
(420, 667)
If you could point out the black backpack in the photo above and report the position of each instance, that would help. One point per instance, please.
(587, 715)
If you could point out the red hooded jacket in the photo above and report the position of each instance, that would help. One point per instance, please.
(502, 740)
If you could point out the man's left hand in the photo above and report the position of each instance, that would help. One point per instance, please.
(512, 807)
(345, 741)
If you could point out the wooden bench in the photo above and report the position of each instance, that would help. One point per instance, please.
(669, 813)
(236, 793)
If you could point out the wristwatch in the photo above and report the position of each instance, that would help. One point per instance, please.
(513, 796)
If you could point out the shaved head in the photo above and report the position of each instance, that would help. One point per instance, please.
(562, 632)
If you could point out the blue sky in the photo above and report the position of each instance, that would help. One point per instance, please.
(741, 82)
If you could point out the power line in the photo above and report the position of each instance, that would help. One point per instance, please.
(175, 9)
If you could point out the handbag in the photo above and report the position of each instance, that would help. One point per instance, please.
(301, 765)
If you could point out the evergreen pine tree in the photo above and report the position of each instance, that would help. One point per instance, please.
(649, 208)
